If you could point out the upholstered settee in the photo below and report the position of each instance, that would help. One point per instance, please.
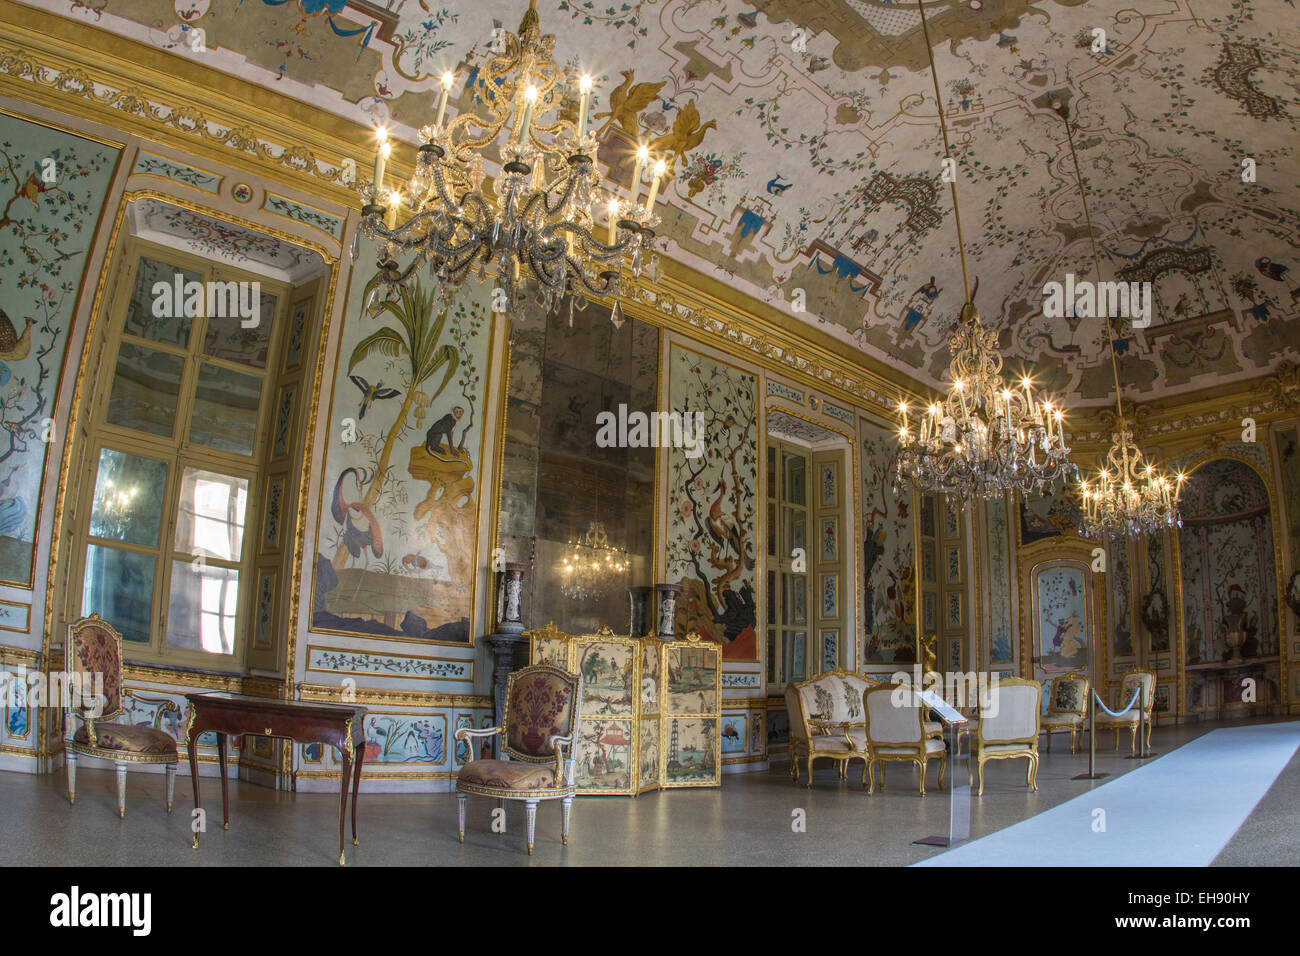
(826, 720)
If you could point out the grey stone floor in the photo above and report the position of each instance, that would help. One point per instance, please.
(747, 822)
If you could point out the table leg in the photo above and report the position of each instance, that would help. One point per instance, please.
(225, 785)
(343, 801)
(192, 746)
(356, 787)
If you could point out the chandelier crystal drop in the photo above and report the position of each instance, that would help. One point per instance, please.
(545, 218)
(591, 565)
(1128, 496)
(985, 437)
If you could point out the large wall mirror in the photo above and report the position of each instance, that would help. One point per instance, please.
(564, 484)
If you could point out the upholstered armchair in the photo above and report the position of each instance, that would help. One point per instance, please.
(94, 654)
(1067, 706)
(1009, 728)
(826, 720)
(895, 730)
(540, 721)
(1129, 719)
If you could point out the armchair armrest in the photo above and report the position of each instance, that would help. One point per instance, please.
(563, 764)
(465, 733)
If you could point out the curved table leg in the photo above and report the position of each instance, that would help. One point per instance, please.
(225, 783)
(343, 801)
(356, 787)
(192, 746)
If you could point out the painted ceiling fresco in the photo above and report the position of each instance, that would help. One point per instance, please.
(806, 152)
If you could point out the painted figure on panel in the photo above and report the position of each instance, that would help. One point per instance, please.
(1062, 618)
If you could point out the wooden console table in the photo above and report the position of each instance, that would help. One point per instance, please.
(225, 714)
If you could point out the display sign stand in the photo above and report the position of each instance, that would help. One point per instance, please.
(958, 796)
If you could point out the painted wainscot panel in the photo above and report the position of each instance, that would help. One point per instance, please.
(888, 569)
(712, 516)
(398, 532)
(52, 190)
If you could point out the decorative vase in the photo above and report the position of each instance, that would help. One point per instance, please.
(511, 600)
(640, 600)
(666, 611)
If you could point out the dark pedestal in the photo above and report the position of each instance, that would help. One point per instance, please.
(509, 653)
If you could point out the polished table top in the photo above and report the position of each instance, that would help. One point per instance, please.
(227, 699)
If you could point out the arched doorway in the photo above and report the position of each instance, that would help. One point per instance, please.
(1228, 572)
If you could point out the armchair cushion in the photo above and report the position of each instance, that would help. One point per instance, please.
(1123, 720)
(129, 740)
(540, 706)
(932, 746)
(1062, 720)
(507, 775)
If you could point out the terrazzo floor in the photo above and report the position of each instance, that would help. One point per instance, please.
(749, 821)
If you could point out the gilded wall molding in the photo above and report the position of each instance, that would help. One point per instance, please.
(396, 698)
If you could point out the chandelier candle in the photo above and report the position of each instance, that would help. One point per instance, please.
(660, 168)
(381, 157)
(447, 80)
(584, 88)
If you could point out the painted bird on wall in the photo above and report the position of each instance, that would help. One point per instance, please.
(14, 347)
(723, 528)
(370, 393)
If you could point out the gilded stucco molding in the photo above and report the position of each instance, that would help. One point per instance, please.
(396, 698)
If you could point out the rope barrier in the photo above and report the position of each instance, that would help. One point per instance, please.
(1127, 707)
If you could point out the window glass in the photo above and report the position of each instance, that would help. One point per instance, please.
(210, 514)
(201, 607)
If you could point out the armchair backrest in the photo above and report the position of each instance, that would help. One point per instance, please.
(1069, 694)
(835, 695)
(541, 702)
(893, 715)
(94, 654)
(1132, 680)
(1015, 712)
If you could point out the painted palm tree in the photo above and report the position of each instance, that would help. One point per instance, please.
(417, 336)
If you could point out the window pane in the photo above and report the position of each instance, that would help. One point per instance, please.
(201, 608)
(129, 494)
(227, 338)
(173, 326)
(119, 587)
(145, 386)
(210, 514)
(225, 410)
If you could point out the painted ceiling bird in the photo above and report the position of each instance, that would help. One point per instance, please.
(13, 346)
(370, 393)
(626, 101)
(32, 188)
(723, 528)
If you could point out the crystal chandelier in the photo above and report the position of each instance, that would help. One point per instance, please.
(538, 219)
(984, 437)
(591, 565)
(1129, 496)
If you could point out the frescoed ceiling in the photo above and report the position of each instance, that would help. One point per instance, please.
(806, 152)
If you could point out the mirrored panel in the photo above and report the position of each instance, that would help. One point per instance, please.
(238, 332)
(225, 410)
(129, 492)
(118, 586)
(146, 385)
(158, 308)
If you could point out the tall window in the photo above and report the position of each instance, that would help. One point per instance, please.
(788, 578)
(179, 423)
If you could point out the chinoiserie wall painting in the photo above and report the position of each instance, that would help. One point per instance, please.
(1062, 616)
(999, 570)
(712, 505)
(1228, 570)
(52, 191)
(398, 525)
(1119, 606)
(888, 570)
